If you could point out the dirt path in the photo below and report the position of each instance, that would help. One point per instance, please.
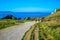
(27, 36)
(36, 34)
(15, 32)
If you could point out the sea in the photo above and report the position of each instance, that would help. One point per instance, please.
(24, 14)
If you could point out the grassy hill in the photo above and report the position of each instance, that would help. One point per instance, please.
(53, 22)
(7, 23)
(53, 19)
(55, 15)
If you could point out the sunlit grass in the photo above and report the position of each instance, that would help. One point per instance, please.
(4, 23)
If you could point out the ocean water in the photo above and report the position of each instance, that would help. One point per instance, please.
(25, 14)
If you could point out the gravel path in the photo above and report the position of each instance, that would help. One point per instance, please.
(15, 32)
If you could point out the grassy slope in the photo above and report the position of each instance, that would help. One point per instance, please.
(4, 23)
(53, 24)
(54, 19)
(54, 15)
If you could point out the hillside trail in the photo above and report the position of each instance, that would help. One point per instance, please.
(15, 32)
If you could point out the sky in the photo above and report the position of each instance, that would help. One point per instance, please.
(29, 5)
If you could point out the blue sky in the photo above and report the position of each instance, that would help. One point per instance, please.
(29, 5)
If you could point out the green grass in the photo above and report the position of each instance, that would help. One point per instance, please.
(53, 32)
(39, 36)
(4, 23)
